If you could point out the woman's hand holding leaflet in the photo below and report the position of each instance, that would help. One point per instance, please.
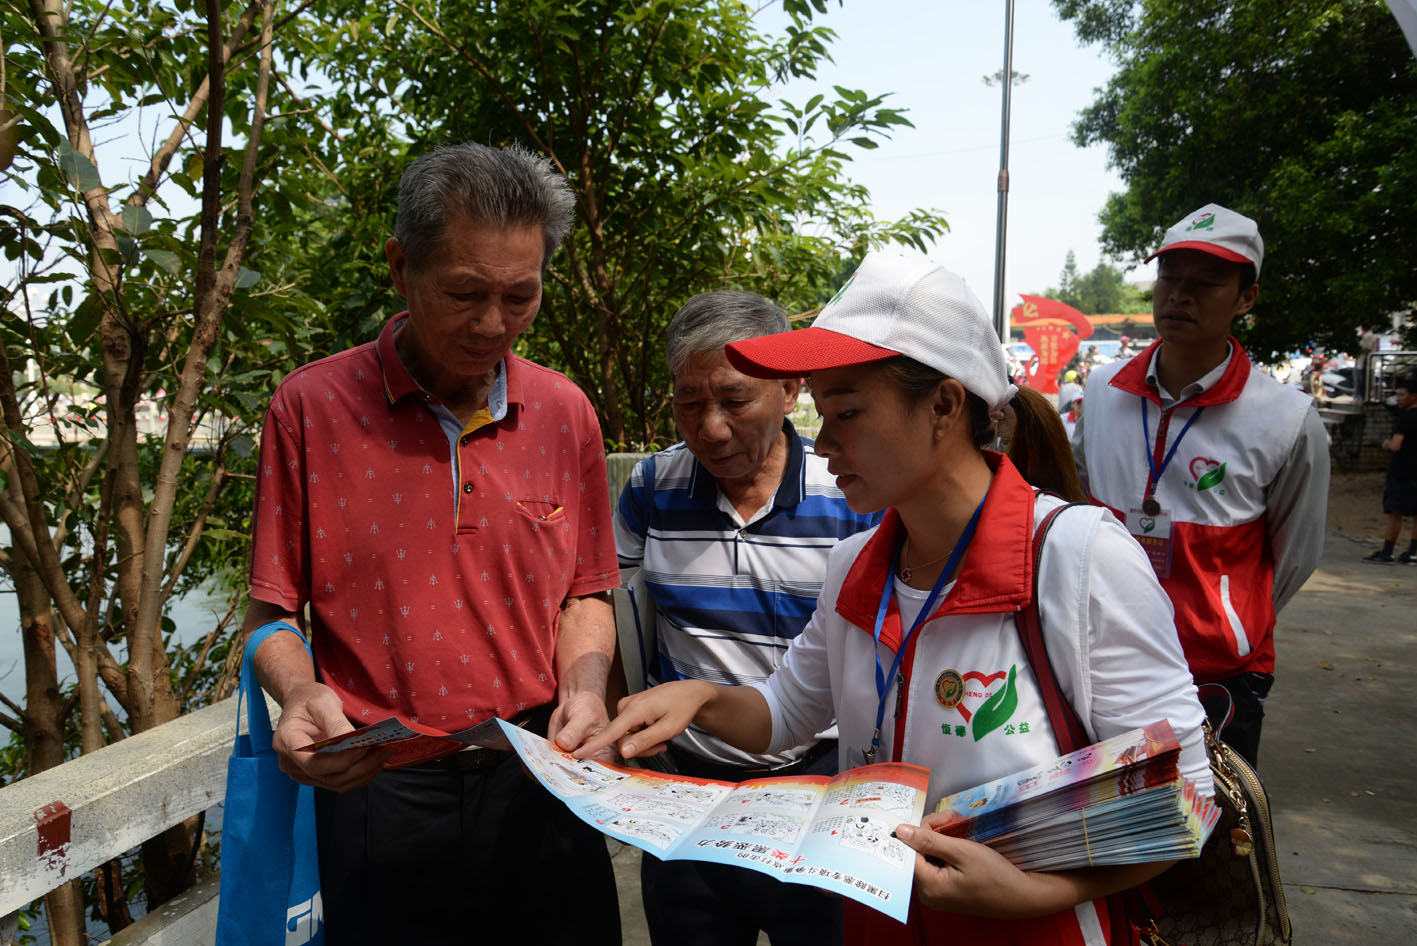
(960, 876)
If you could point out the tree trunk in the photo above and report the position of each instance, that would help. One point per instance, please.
(169, 863)
(44, 728)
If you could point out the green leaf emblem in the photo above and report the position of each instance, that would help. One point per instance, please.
(998, 708)
(1211, 477)
(840, 291)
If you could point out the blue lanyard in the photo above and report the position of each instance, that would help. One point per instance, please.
(881, 675)
(1150, 451)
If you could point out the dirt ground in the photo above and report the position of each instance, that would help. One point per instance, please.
(1355, 507)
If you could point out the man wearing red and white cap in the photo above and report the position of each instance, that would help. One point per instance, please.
(1219, 471)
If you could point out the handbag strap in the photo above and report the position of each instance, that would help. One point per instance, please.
(1068, 730)
(258, 717)
(1229, 705)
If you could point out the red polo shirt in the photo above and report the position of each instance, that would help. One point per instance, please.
(435, 602)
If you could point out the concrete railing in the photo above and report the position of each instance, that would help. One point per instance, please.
(617, 472)
(58, 824)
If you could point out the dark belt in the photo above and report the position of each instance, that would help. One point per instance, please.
(477, 758)
(686, 763)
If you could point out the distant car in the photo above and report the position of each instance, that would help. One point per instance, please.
(1340, 382)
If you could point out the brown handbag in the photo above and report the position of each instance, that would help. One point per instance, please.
(1231, 894)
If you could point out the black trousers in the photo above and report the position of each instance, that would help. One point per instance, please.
(1247, 693)
(432, 856)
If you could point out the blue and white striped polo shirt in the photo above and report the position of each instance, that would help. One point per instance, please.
(730, 594)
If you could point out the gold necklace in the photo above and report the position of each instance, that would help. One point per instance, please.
(905, 571)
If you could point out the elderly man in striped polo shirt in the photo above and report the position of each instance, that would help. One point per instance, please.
(732, 528)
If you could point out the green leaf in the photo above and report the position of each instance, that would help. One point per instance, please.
(998, 708)
(136, 220)
(78, 168)
(246, 278)
(127, 247)
(1211, 477)
(166, 259)
(84, 322)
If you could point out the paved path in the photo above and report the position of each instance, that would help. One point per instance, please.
(1339, 757)
(1339, 752)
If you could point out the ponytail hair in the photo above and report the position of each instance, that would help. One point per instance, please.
(1039, 446)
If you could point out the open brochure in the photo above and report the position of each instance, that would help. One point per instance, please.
(412, 743)
(1118, 801)
(829, 832)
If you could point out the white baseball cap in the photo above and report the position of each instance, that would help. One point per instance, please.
(894, 304)
(1218, 231)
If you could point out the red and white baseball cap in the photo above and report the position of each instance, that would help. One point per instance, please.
(892, 305)
(1218, 231)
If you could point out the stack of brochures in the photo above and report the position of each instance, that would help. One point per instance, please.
(1119, 801)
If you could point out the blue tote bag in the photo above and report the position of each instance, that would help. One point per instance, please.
(270, 875)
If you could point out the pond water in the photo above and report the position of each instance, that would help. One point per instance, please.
(194, 614)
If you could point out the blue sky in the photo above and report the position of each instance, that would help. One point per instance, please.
(932, 55)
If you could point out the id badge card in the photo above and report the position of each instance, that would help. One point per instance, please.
(1153, 533)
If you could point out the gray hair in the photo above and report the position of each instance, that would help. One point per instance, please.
(711, 320)
(498, 187)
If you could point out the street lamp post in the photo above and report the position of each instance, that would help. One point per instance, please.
(1001, 228)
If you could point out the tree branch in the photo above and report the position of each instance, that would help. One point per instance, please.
(213, 298)
(28, 525)
(162, 157)
(78, 485)
(50, 21)
(212, 636)
(299, 100)
(10, 722)
(486, 73)
(179, 564)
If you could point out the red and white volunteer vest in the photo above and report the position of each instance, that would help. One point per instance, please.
(1222, 567)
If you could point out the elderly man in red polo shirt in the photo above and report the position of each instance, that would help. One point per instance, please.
(438, 508)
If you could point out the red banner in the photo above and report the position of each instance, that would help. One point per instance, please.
(1052, 329)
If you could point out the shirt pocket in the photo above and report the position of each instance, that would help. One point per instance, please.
(544, 525)
(540, 510)
(793, 604)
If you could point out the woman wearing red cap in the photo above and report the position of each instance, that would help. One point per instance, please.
(908, 376)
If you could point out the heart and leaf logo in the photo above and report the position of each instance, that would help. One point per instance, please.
(996, 705)
(1205, 221)
(997, 709)
(1207, 472)
(1147, 523)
